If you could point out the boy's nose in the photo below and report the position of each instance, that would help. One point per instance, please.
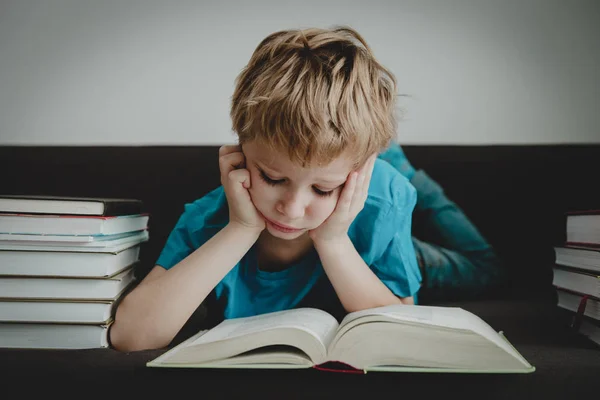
(292, 206)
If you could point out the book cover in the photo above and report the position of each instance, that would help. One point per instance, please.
(577, 257)
(579, 303)
(66, 288)
(577, 280)
(69, 205)
(583, 228)
(54, 336)
(36, 224)
(57, 311)
(98, 244)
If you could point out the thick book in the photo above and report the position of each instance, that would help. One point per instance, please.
(577, 280)
(67, 264)
(54, 336)
(583, 228)
(395, 338)
(570, 301)
(70, 225)
(581, 258)
(104, 244)
(57, 311)
(39, 204)
(47, 288)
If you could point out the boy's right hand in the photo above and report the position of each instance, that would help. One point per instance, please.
(235, 179)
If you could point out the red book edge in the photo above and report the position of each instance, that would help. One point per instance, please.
(591, 246)
(338, 367)
(579, 314)
(576, 323)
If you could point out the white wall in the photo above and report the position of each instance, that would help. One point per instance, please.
(76, 72)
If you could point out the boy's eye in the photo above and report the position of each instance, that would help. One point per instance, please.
(269, 180)
(322, 193)
(274, 182)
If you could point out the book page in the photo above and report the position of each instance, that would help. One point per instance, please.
(316, 322)
(448, 317)
(404, 312)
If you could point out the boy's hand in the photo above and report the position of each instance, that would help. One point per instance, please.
(350, 203)
(235, 179)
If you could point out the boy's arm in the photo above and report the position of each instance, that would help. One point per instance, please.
(355, 284)
(152, 314)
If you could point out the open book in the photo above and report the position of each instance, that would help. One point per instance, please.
(391, 338)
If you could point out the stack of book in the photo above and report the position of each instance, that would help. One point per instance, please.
(65, 263)
(577, 272)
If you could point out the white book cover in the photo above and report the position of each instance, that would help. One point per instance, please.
(33, 224)
(65, 288)
(53, 243)
(53, 336)
(65, 239)
(66, 264)
(46, 204)
(577, 281)
(64, 312)
(586, 259)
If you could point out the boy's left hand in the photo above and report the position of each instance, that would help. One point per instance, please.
(350, 203)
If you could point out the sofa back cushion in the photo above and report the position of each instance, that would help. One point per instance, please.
(516, 195)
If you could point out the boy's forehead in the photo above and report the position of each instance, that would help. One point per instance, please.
(280, 161)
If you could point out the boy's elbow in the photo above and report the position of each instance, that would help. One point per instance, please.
(118, 339)
(126, 336)
(126, 341)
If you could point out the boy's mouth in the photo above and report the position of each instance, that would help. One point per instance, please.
(282, 228)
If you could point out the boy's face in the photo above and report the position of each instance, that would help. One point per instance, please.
(292, 199)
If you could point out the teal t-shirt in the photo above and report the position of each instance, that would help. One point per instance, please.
(381, 233)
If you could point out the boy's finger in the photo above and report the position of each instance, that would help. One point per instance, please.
(370, 164)
(226, 149)
(240, 176)
(230, 162)
(359, 191)
(345, 200)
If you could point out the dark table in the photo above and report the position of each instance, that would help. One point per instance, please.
(567, 366)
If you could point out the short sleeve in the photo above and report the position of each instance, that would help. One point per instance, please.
(397, 265)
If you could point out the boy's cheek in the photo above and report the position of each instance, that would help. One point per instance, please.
(329, 208)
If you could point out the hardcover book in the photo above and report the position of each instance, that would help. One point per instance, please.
(39, 204)
(396, 338)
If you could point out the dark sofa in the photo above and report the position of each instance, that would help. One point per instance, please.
(516, 195)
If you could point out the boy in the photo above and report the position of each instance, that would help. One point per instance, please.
(307, 215)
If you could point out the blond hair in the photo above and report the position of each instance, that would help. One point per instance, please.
(315, 93)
